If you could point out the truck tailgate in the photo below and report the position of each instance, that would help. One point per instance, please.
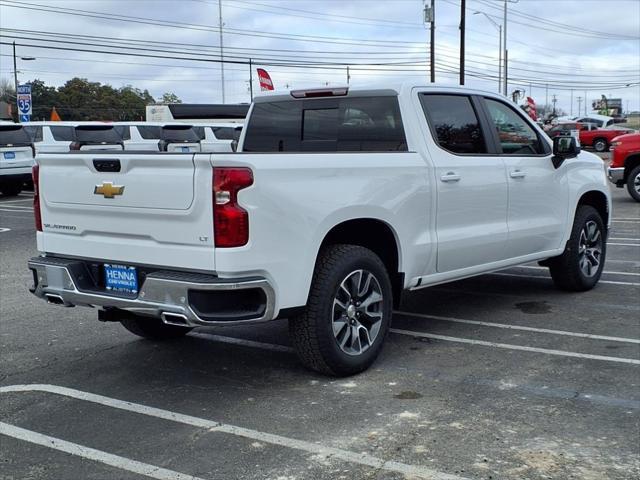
(128, 207)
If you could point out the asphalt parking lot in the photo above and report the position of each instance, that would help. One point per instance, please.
(495, 377)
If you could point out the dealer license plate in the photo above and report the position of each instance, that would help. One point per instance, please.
(120, 278)
(9, 155)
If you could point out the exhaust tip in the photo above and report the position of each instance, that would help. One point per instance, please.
(176, 319)
(54, 299)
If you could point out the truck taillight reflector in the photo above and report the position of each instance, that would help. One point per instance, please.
(35, 175)
(230, 220)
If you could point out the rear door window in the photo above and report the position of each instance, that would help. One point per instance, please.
(62, 133)
(14, 135)
(149, 132)
(35, 132)
(227, 133)
(454, 123)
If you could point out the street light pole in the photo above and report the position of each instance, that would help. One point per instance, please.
(221, 49)
(504, 22)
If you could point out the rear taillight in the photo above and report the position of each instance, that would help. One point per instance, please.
(74, 146)
(35, 175)
(231, 221)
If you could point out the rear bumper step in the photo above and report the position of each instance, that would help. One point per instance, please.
(177, 298)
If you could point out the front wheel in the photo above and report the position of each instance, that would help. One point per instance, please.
(347, 317)
(633, 183)
(580, 266)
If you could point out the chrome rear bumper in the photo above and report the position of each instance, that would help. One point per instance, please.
(163, 294)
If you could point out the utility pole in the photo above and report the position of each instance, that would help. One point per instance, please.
(499, 28)
(504, 22)
(571, 107)
(579, 105)
(585, 102)
(251, 78)
(554, 100)
(546, 96)
(430, 18)
(221, 49)
(348, 75)
(15, 70)
(463, 7)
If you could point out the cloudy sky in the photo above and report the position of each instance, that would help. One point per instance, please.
(589, 46)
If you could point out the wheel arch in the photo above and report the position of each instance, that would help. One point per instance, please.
(631, 162)
(597, 200)
(379, 237)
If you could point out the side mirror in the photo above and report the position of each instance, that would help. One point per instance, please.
(564, 147)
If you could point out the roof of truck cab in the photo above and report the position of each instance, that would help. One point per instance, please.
(375, 89)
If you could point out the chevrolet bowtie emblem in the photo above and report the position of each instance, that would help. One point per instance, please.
(108, 190)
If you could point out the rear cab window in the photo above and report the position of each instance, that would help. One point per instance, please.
(14, 135)
(62, 133)
(332, 124)
(97, 134)
(179, 133)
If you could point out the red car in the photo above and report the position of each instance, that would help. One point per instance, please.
(625, 163)
(600, 139)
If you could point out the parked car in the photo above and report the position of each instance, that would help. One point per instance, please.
(151, 136)
(218, 138)
(16, 158)
(54, 137)
(600, 138)
(601, 121)
(624, 169)
(339, 199)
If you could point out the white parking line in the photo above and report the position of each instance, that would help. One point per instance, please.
(624, 244)
(2, 230)
(520, 327)
(16, 208)
(213, 426)
(242, 342)
(625, 221)
(610, 282)
(609, 272)
(2, 202)
(524, 348)
(92, 454)
(624, 239)
(15, 211)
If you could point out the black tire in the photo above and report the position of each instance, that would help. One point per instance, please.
(152, 328)
(566, 270)
(10, 190)
(633, 182)
(312, 332)
(601, 145)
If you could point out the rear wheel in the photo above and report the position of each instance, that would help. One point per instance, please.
(633, 183)
(600, 145)
(348, 313)
(152, 328)
(580, 266)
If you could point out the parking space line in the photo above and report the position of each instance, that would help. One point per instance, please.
(2, 230)
(71, 448)
(507, 346)
(520, 327)
(625, 221)
(609, 272)
(625, 239)
(2, 202)
(624, 244)
(15, 211)
(213, 426)
(16, 208)
(611, 282)
(626, 218)
(242, 342)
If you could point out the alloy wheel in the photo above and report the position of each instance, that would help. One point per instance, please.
(357, 312)
(590, 249)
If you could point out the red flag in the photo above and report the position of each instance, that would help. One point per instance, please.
(265, 80)
(530, 108)
(55, 117)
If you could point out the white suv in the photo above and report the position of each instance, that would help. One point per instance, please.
(16, 158)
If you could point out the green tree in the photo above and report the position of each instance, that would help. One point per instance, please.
(170, 97)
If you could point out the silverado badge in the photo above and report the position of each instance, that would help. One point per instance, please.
(108, 190)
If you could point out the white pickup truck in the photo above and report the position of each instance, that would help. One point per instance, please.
(337, 201)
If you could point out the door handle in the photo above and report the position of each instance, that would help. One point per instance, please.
(517, 174)
(450, 177)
